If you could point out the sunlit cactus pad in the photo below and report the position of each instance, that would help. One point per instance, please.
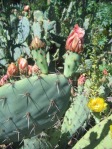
(99, 137)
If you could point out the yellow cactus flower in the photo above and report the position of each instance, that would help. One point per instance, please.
(97, 104)
(111, 130)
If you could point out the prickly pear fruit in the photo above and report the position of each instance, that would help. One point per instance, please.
(12, 70)
(23, 65)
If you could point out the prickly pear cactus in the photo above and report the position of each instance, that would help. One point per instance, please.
(32, 104)
(98, 137)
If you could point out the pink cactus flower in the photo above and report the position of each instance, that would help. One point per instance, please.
(3, 80)
(23, 65)
(81, 79)
(75, 40)
(12, 70)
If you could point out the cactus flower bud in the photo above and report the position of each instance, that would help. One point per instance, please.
(35, 69)
(12, 70)
(29, 70)
(23, 65)
(37, 43)
(81, 79)
(26, 8)
(3, 80)
(75, 40)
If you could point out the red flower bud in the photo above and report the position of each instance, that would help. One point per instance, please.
(81, 79)
(12, 70)
(3, 80)
(75, 40)
(37, 43)
(23, 65)
(35, 69)
(29, 70)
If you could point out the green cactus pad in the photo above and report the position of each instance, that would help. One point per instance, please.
(38, 15)
(75, 116)
(49, 26)
(40, 60)
(31, 105)
(71, 64)
(98, 137)
(23, 29)
(37, 29)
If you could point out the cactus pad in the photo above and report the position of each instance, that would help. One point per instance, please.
(71, 64)
(98, 137)
(32, 104)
